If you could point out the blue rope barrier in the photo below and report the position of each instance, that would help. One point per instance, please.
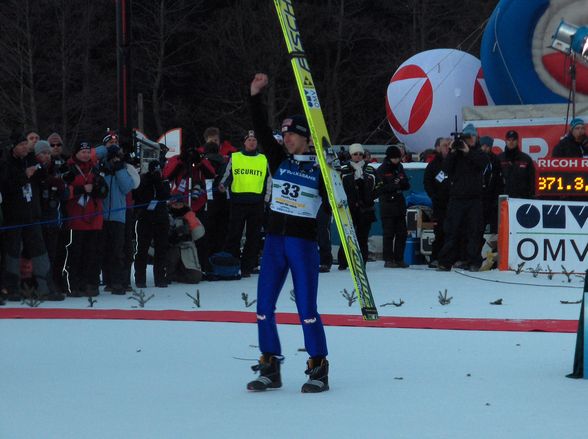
(89, 215)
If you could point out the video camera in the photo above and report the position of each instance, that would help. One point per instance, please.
(458, 139)
(148, 151)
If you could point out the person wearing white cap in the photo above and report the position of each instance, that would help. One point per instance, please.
(359, 181)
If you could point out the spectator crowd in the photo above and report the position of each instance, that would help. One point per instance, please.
(70, 225)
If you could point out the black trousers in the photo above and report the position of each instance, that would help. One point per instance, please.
(251, 217)
(464, 219)
(130, 246)
(83, 257)
(362, 225)
(394, 239)
(147, 232)
(113, 257)
(203, 244)
(51, 236)
(439, 217)
(58, 265)
(323, 220)
(217, 224)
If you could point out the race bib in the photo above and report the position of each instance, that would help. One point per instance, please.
(295, 199)
(295, 188)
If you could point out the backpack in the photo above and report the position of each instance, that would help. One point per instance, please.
(224, 267)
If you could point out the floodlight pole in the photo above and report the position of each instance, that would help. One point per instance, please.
(123, 67)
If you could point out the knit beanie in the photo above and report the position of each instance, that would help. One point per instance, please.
(82, 145)
(356, 147)
(42, 146)
(54, 138)
(393, 152)
(470, 130)
(486, 140)
(575, 122)
(296, 124)
(16, 138)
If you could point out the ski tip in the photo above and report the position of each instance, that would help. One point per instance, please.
(369, 313)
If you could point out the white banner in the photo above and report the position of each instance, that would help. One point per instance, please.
(549, 234)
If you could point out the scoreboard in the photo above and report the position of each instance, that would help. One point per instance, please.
(562, 177)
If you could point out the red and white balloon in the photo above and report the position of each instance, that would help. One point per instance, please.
(428, 91)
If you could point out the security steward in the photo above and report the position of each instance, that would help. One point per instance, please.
(247, 177)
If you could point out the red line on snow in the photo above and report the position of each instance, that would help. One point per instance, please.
(474, 324)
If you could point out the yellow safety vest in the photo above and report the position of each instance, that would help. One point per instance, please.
(249, 172)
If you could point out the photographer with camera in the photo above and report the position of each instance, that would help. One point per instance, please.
(464, 167)
(152, 225)
(121, 178)
(187, 174)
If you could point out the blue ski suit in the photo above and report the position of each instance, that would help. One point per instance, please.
(291, 241)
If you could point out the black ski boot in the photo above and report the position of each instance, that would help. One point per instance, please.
(318, 376)
(269, 373)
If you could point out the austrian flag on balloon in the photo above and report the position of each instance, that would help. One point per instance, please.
(428, 91)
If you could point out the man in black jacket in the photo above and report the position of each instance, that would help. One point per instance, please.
(575, 143)
(492, 185)
(22, 208)
(464, 167)
(392, 180)
(437, 187)
(518, 169)
(152, 225)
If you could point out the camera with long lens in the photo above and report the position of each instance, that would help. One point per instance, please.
(148, 151)
(458, 143)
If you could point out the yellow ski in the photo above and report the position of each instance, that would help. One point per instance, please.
(327, 158)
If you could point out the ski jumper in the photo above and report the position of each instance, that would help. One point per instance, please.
(291, 242)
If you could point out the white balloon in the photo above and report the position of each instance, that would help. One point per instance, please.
(428, 91)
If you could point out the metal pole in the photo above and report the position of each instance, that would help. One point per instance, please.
(123, 64)
(140, 112)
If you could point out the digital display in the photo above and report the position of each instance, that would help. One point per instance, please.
(562, 183)
(562, 177)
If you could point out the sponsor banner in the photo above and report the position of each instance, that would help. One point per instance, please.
(548, 234)
(537, 137)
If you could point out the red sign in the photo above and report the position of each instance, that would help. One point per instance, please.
(536, 140)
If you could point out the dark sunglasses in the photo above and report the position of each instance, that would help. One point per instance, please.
(357, 153)
(54, 145)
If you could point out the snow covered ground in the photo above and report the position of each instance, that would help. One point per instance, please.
(161, 379)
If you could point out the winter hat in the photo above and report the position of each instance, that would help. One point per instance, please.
(17, 137)
(486, 140)
(249, 134)
(82, 145)
(110, 135)
(575, 122)
(470, 130)
(296, 124)
(42, 146)
(356, 147)
(512, 134)
(393, 152)
(54, 138)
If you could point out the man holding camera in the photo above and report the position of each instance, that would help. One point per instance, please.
(120, 178)
(464, 167)
(152, 225)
